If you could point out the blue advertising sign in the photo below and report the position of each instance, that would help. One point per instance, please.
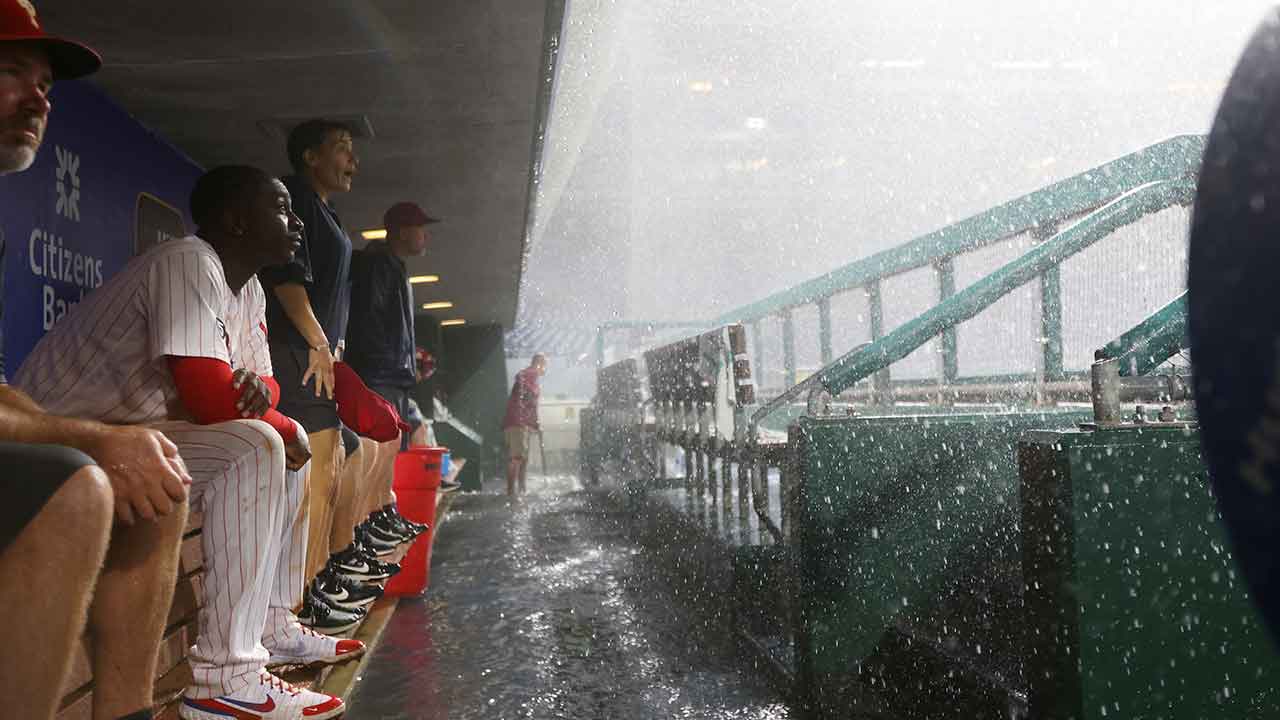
(102, 188)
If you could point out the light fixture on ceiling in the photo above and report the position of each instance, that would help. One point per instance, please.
(452, 323)
(379, 234)
(419, 279)
(755, 165)
(442, 305)
(756, 123)
(702, 87)
(908, 64)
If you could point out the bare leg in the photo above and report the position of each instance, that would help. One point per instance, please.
(380, 477)
(47, 576)
(321, 494)
(524, 472)
(514, 469)
(365, 490)
(386, 479)
(137, 584)
(419, 436)
(350, 483)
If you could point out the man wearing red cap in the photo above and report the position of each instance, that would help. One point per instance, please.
(67, 481)
(381, 341)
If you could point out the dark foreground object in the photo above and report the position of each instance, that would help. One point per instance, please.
(1232, 321)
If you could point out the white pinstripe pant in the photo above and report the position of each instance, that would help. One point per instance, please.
(254, 541)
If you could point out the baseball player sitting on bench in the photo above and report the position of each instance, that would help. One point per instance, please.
(61, 478)
(177, 341)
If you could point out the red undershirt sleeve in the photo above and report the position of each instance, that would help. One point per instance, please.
(204, 385)
(275, 389)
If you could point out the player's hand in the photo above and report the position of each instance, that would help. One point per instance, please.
(298, 452)
(255, 396)
(320, 366)
(146, 472)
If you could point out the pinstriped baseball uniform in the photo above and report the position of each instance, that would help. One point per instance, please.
(106, 360)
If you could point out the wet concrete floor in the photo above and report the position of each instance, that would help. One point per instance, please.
(547, 608)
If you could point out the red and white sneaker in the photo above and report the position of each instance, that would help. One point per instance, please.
(304, 646)
(270, 699)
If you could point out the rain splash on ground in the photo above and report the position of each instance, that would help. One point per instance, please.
(548, 608)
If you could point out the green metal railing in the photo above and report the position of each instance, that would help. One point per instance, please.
(1152, 342)
(1173, 158)
(868, 359)
(864, 361)
(1039, 214)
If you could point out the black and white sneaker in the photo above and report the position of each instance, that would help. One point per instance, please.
(323, 618)
(394, 522)
(416, 527)
(399, 524)
(388, 524)
(387, 567)
(360, 567)
(343, 593)
(376, 541)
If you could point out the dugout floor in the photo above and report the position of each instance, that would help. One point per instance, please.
(546, 608)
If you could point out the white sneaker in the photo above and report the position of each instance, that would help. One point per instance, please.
(270, 699)
(304, 646)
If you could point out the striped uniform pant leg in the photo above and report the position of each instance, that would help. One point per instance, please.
(290, 579)
(238, 482)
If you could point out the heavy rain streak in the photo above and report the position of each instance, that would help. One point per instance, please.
(868, 387)
(701, 156)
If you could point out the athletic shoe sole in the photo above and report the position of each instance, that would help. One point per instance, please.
(378, 582)
(186, 712)
(334, 629)
(364, 576)
(348, 604)
(330, 624)
(381, 547)
(384, 551)
(281, 660)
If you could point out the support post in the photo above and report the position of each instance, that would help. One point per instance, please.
(1050, 313)
(1105, 382)
(700, 473)
(788, 348)
(875, 314)
(762, 478)
(757, 352)
(824, 331)
(726, 487)
(946, 269)
(712, 481)
(784, 515)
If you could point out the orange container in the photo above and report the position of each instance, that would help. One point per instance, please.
(417, 478)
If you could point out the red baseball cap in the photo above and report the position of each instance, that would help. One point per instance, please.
(364, 410)
(67, 59)
(426, 363)
(406, 214)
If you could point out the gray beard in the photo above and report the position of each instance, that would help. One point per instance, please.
(15, 158)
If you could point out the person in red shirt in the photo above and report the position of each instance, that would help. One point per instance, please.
(522, 420)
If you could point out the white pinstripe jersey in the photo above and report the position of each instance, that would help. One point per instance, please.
(105, 360)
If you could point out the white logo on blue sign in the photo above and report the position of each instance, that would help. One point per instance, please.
(68, 187)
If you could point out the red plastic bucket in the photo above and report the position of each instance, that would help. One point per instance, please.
(417, 478)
